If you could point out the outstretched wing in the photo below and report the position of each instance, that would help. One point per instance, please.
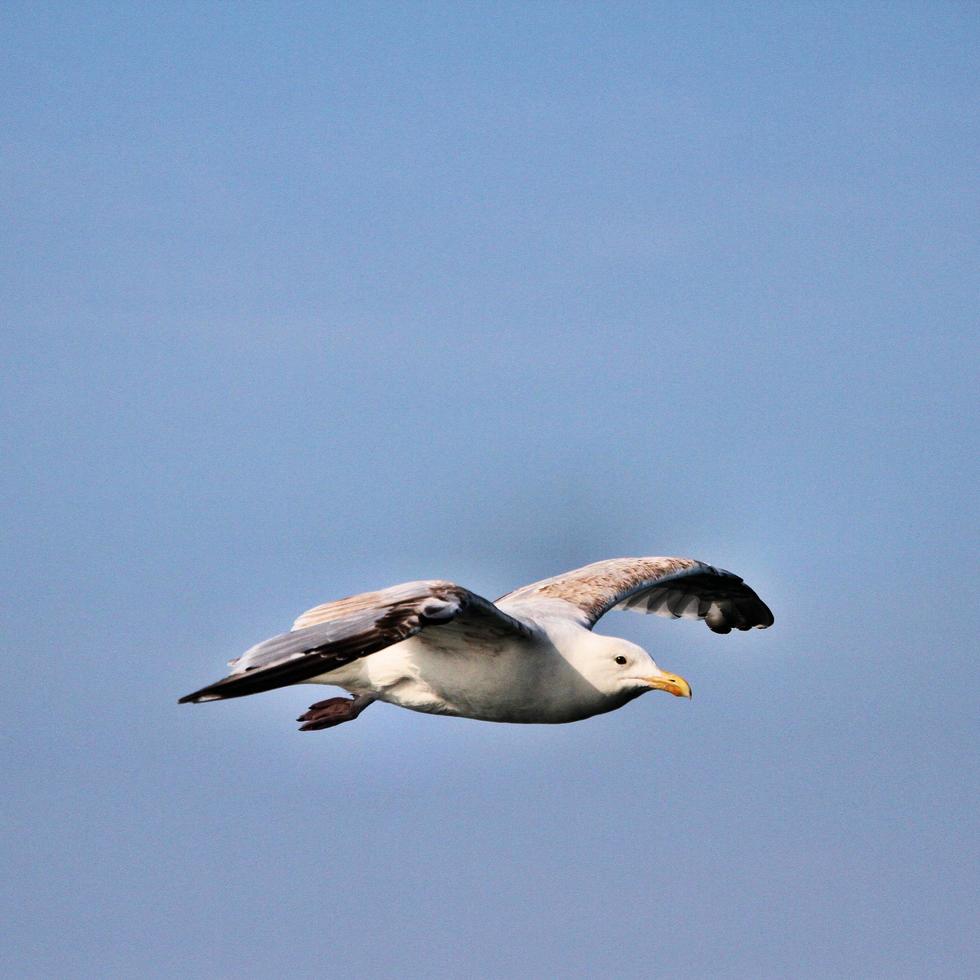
(681, 588)
(334, 634)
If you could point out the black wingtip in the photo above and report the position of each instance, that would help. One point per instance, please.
(292, 671)
(213, 692)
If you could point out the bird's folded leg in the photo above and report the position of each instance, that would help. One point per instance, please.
(333, 711)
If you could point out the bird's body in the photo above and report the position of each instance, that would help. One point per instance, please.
(531, 657)
(529, 681)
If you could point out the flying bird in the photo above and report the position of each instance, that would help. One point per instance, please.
(530, 656)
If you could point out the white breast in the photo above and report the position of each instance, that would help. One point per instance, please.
(514, 682)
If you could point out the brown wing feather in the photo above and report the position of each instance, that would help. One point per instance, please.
(336, 633)
(675, 587)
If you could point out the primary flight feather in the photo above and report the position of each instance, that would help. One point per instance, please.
(531, 656)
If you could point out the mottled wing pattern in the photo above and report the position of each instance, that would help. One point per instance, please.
(681, 588)
(335, 633)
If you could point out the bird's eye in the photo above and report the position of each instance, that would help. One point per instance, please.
(620, 660)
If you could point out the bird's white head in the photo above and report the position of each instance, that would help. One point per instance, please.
(617, 666)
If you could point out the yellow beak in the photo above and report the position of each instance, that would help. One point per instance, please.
(672, 683)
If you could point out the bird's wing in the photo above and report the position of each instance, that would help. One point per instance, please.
(681, 588)
(334, 634)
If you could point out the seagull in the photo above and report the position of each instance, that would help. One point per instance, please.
(529, 657)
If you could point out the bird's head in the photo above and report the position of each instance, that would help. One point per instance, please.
(618, 666)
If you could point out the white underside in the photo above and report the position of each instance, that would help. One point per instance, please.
(515, 681)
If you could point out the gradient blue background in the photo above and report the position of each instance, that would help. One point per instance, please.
(304, 301)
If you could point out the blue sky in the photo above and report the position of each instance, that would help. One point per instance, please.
(305, 300)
